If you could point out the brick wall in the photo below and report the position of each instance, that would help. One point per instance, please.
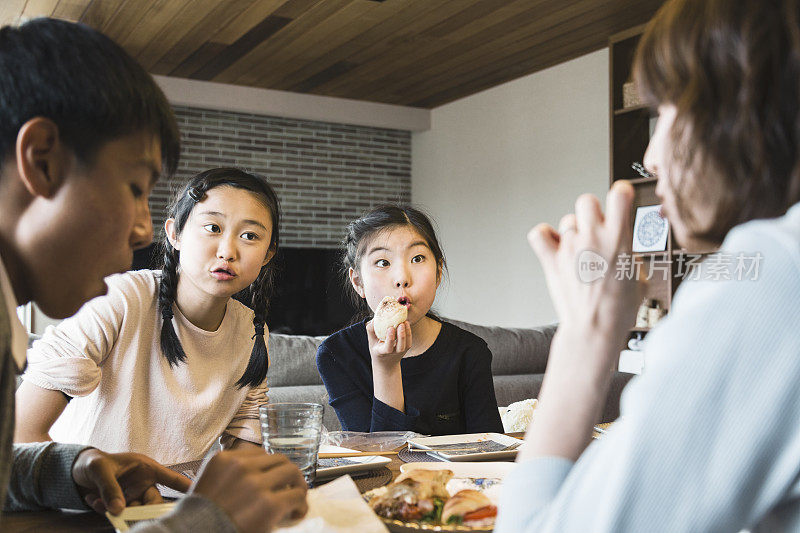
(324, 174)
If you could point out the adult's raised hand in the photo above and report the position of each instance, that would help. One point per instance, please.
(595, 309)
(579, 261)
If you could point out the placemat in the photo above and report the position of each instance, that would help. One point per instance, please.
(371, 479)
(408, 456)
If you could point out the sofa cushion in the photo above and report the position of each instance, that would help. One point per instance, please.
(514, 350)
(293, 360)
(307, 393)
(510, 389)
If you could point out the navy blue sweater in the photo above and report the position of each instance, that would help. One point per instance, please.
(448, 389)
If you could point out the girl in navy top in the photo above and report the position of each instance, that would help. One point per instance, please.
(428, 376)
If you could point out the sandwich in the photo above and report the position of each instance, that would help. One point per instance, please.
(417, 495)
(469, 507)
(390, 313)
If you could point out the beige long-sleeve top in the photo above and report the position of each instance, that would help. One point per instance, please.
(126, 397)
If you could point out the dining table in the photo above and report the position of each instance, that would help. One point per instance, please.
(90, 522)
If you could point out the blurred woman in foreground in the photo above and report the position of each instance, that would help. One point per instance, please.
(709, 438)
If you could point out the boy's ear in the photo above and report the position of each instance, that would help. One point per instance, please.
(355, 280)
(42, 159)
(172, 236)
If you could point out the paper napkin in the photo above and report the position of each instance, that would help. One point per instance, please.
(337, 507)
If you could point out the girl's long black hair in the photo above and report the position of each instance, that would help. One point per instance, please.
(256, 296)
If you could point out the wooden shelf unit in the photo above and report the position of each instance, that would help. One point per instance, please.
(630, 129)
(629, 126)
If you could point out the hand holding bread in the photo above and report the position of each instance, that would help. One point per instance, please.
(388, 333)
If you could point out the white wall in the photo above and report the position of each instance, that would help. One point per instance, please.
(495, 164)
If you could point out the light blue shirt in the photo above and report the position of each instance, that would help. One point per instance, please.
(710, 439)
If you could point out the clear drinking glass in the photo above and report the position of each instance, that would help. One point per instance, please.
(293, 429)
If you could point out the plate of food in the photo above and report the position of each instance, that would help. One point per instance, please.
(468, 447)
(337, 466)
(431, 497)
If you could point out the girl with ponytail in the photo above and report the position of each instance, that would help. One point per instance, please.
(168, 361)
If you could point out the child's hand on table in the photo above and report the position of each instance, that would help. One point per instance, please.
(110, 481)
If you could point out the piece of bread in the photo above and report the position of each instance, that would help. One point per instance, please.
(463, 502)
(390, 313)
(431, 483)
(412, 495)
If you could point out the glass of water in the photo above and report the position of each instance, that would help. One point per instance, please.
(293, 429)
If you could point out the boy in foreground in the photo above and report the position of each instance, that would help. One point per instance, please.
(84, 134)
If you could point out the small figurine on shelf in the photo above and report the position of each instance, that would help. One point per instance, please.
(649, 313)
(630, 97)
(636, 342)
(642, 315)
(654, 314)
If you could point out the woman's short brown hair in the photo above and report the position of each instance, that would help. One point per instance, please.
(732, 69)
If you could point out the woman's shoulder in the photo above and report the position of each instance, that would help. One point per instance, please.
(777, 237)
(740, 300)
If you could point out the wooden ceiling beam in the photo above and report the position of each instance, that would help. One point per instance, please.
(100, 12)
(230, 54)
(475, 51)
(71, 9)
(513, 66)
(155, 57)
(201, 32)
(158, 16)
(408, 52)
(379, 43)
(246, 20)
(557, 28)
(274, 54)
(400, 66)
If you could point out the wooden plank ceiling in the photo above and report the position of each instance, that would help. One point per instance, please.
(421, 53)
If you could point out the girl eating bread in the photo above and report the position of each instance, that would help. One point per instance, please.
(404, 369)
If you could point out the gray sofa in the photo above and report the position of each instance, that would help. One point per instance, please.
(518, 365)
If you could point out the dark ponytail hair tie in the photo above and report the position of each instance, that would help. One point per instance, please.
(166, 313)
(195, 194)
(259, 331)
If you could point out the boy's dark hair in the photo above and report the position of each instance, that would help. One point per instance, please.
(732, 70)
(382, 218)
(85, 83)
(256, 296)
